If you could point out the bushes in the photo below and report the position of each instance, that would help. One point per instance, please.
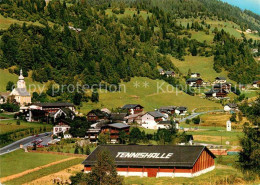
(196, 120)
(9, 107)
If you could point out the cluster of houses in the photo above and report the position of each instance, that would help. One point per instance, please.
(106, 122)
(220, 87)
(167, 73)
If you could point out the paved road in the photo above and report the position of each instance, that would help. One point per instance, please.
(25, 141)
(193, 115)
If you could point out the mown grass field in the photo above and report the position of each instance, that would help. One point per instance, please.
(10, 125)
(19, 161)
(219, 119)
(202, 65)
(157, 93)
(45, 171)
(5, 77)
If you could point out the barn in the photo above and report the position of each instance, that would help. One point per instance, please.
(156, 160)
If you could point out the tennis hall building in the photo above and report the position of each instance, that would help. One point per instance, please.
(156, 160)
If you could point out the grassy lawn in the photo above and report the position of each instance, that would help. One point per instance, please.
(5, 77)
(202, 65)
(217, 137)
(45, 171)
(10, 125)
(19, 161)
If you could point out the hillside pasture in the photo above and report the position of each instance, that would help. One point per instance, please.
(6, 76)
(199, 64)
(150, 93)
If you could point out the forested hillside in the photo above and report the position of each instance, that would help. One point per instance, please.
(88, 45)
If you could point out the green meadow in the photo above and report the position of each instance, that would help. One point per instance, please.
(5, 77)
(199, 64)
(19, 161)
(150, 93)
(10, 125)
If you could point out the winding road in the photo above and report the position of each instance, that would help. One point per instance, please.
(193, 115)
(25, 141)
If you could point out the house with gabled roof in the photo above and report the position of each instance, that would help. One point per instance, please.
(230, 107)
(133, 108)
(156, 160)
(195, 75)
(97, 115)
(194, 82)
(150, 120)
(181, 110)
(114, 129)
(220, 79)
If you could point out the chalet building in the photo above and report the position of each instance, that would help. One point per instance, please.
(220, 80)
(94, 130)
(170, 73)
(20, 93)
(97, 115)
(106, 110)
(63, 113)
(216, 93)
(194, 82)
(133, 108)
(135, 118)
(52, 107)
(256, 84)
(150, 120)
(224, 86)
(156, 160)
(170, 110)
(161, 71)
(118, 117)
(231, 107)
(114, 129)
(195, 75)
(63, 126)
(181, 110)
(39, 111)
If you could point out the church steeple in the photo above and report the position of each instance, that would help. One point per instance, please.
(21, 82)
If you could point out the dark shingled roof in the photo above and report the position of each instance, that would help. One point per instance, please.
(193, 79)
(182, 108)
(183, 156)
(118, 116)
(220, 78)
(232, 105)
(55, 104)
(118, 125)
(131, 106)
(156, 114)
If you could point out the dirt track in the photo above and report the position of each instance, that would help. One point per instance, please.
(11, 177)
(62, 175)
